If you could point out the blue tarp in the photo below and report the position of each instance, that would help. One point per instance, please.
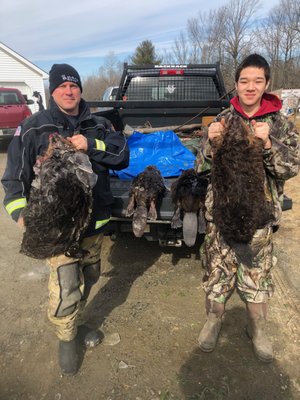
(162, 149)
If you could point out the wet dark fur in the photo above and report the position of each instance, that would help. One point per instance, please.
(60, 203)
(188, 194)
(238, 177)
(146, 191)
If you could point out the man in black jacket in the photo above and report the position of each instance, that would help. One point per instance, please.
(70, 279)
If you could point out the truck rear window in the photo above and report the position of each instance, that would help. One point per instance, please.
(181, 87)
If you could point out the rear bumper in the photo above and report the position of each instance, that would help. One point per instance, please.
(156, 231)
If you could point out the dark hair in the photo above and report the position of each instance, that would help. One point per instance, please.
(254, 60)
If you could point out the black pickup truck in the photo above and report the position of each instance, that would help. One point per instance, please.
(182, 98)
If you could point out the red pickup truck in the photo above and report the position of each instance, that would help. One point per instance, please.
(13, 110)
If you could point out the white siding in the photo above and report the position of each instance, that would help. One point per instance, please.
(15, 73)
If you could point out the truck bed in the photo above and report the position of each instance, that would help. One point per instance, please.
(161, 96)
(157, 114)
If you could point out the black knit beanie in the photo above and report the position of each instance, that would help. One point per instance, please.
(61, 73)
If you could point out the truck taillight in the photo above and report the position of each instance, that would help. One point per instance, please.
(171, 72)
(27, 113)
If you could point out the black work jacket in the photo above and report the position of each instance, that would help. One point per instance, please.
(107, 149)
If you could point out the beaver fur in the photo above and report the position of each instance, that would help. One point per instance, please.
(238, 178)
(60, 202)
(188, 194)
(147, 190)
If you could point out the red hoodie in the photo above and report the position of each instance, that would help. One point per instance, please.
(269, 103)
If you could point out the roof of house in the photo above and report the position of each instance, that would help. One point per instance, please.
(23, 60)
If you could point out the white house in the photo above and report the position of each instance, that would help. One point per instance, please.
(17, 72)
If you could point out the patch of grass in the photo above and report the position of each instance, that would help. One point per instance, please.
(165, 395)
(210, 393)
(183, 380)
(167, 293)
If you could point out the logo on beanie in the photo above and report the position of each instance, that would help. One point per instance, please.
(69, 78)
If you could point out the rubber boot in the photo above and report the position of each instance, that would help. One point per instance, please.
(262, 346)
(68, 357)
(91, 274)
(209, 334)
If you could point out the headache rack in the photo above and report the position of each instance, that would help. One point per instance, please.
(189, 82)
(159, 96)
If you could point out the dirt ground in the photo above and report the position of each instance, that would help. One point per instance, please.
(149, 305)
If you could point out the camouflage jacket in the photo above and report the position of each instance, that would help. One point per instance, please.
(281, 161)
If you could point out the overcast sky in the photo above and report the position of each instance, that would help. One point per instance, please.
(83, 32)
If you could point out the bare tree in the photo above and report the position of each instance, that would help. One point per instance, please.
(237, 20)
(201, 43)
(92, 87)
(195, 33)
(269, 37)
(109, 74)
(294, 14)
(180, 49)
(111, 70)
(203, 37)
(230, 33)
(223, 35)
(279, 37)
(226, 35)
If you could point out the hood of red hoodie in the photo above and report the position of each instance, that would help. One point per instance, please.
(269, 103)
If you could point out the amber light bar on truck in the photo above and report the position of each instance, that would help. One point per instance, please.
(171, 72)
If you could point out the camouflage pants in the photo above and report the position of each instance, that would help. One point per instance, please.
(66, 318)
(224, 271)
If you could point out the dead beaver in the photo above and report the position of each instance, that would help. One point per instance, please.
(238, 180)
(147, 189)
(188, 195)
(60, 203)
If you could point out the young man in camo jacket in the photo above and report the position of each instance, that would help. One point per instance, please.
(261, 112)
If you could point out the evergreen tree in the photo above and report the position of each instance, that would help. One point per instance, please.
(145, 54)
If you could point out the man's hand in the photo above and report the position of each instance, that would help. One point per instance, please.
(262, 131)
(79, 142)
(215, 129)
